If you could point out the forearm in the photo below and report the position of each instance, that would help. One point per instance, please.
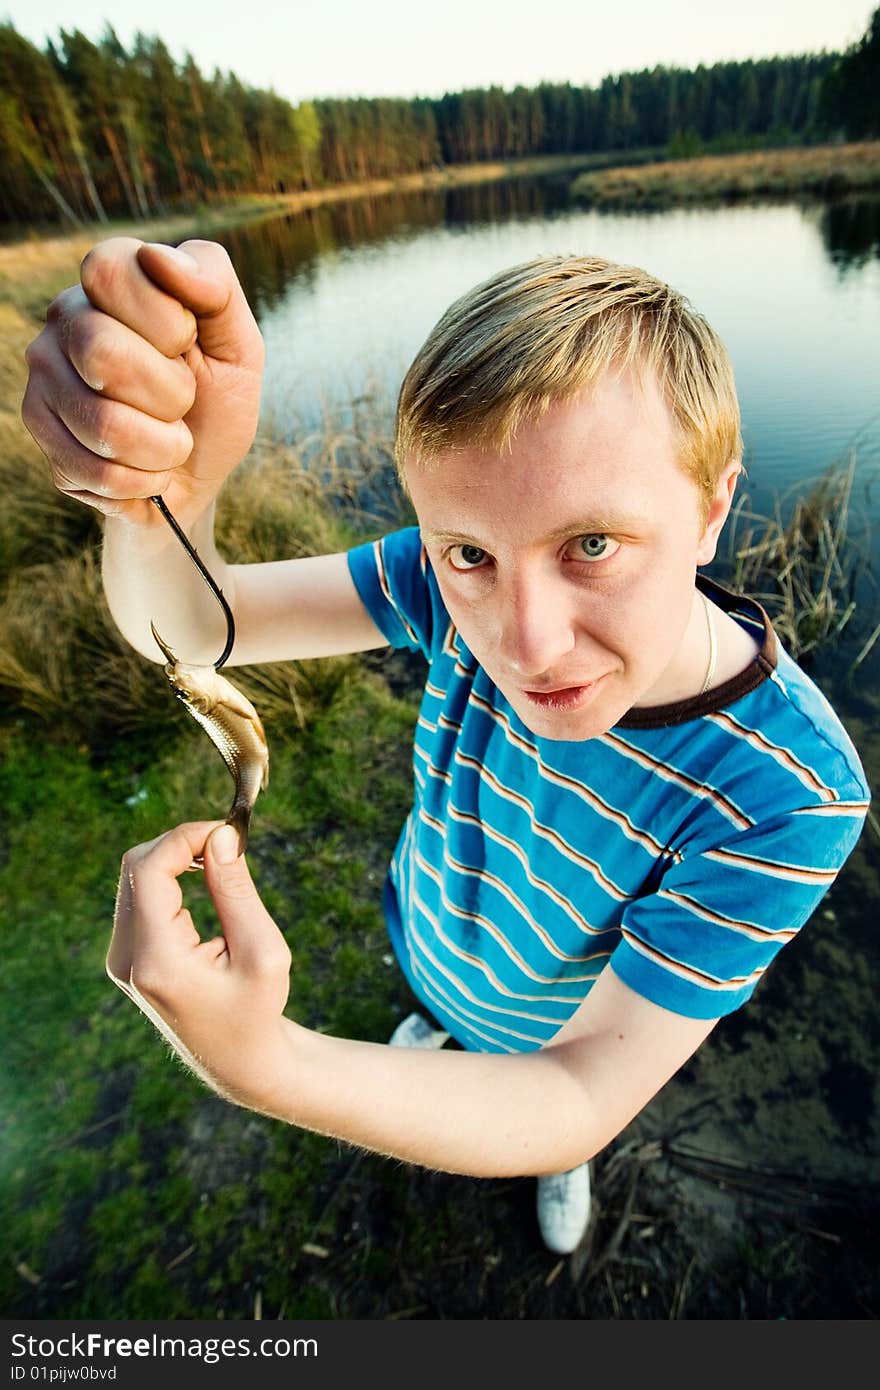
(148, 577)
(481, 1114)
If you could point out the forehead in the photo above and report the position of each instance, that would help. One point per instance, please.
(607, 457)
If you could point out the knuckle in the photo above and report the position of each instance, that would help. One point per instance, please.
(107, 267)
(234, 883)
(132, 863)
(156, 483)
(94, 349)
(61, 305)
(103, 417)
(201, 248)
(182, 332)
(62, 481)
(30, 413)
(183, 444)
(99, 272)
(186, 388)
(35, 352)
(269, 966)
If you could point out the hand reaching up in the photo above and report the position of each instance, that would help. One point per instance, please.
(146, 378)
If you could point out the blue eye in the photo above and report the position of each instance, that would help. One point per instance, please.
(469, 555)
(594, 547)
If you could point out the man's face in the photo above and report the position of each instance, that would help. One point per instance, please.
(568, 564)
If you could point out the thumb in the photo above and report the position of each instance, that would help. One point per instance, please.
(200, 276)
(251, 934)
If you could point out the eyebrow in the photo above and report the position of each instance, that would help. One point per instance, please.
(602, 524)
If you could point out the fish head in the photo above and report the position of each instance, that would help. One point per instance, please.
(199, 687)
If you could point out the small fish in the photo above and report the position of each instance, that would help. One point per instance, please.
(233, 726)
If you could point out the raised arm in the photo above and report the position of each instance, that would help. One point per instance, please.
(220, 1005)
(146, 380)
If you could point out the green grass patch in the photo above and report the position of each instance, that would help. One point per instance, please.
(114, 1159)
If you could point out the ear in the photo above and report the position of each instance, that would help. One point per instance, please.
(719, 509)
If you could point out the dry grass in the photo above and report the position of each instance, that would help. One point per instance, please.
(61, 657)
(821, 171)
(802, 570)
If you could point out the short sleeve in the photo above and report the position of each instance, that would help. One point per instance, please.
(700, 944)
(391, 577)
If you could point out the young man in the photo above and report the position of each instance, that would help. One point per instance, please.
(627, 797)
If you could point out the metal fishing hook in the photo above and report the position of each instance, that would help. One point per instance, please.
(208, 578)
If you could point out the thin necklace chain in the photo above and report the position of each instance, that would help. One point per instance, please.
(710, 669)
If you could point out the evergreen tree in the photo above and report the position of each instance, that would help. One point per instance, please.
(850, 96)
(87, 128)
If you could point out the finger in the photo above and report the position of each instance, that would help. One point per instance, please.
(110, 359)
(164, 860)
(105, 427)
(121, 365)
(151, 926)
(112, 430)
(80, 473)
(226, 328)
(251, 934)
(114, 281)
(120, 954)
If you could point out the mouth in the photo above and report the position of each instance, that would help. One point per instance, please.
(564, 699)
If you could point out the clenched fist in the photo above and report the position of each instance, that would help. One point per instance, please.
(146, 378)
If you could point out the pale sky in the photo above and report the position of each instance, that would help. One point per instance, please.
(403, 48)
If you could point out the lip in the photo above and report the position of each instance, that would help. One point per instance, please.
(564, 699)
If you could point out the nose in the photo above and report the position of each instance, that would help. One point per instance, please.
(535, 625)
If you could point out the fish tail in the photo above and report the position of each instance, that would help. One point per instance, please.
(239, 818)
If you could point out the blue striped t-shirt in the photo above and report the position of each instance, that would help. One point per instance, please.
(684, 847)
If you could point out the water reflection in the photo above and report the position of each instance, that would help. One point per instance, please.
(851, 231)
(268, 253)
(510, 200)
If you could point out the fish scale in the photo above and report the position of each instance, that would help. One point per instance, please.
(233, 726)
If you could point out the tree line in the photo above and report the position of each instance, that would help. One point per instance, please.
(90, 130)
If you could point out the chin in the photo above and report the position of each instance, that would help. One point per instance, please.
(571, 726)
(564, 730)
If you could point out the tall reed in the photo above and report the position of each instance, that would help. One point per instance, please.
(61, 656)
(803, 569)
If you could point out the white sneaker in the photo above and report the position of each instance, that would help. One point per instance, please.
(564, 1204)
(416, 1031)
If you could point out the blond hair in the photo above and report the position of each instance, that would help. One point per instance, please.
(540, 332)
